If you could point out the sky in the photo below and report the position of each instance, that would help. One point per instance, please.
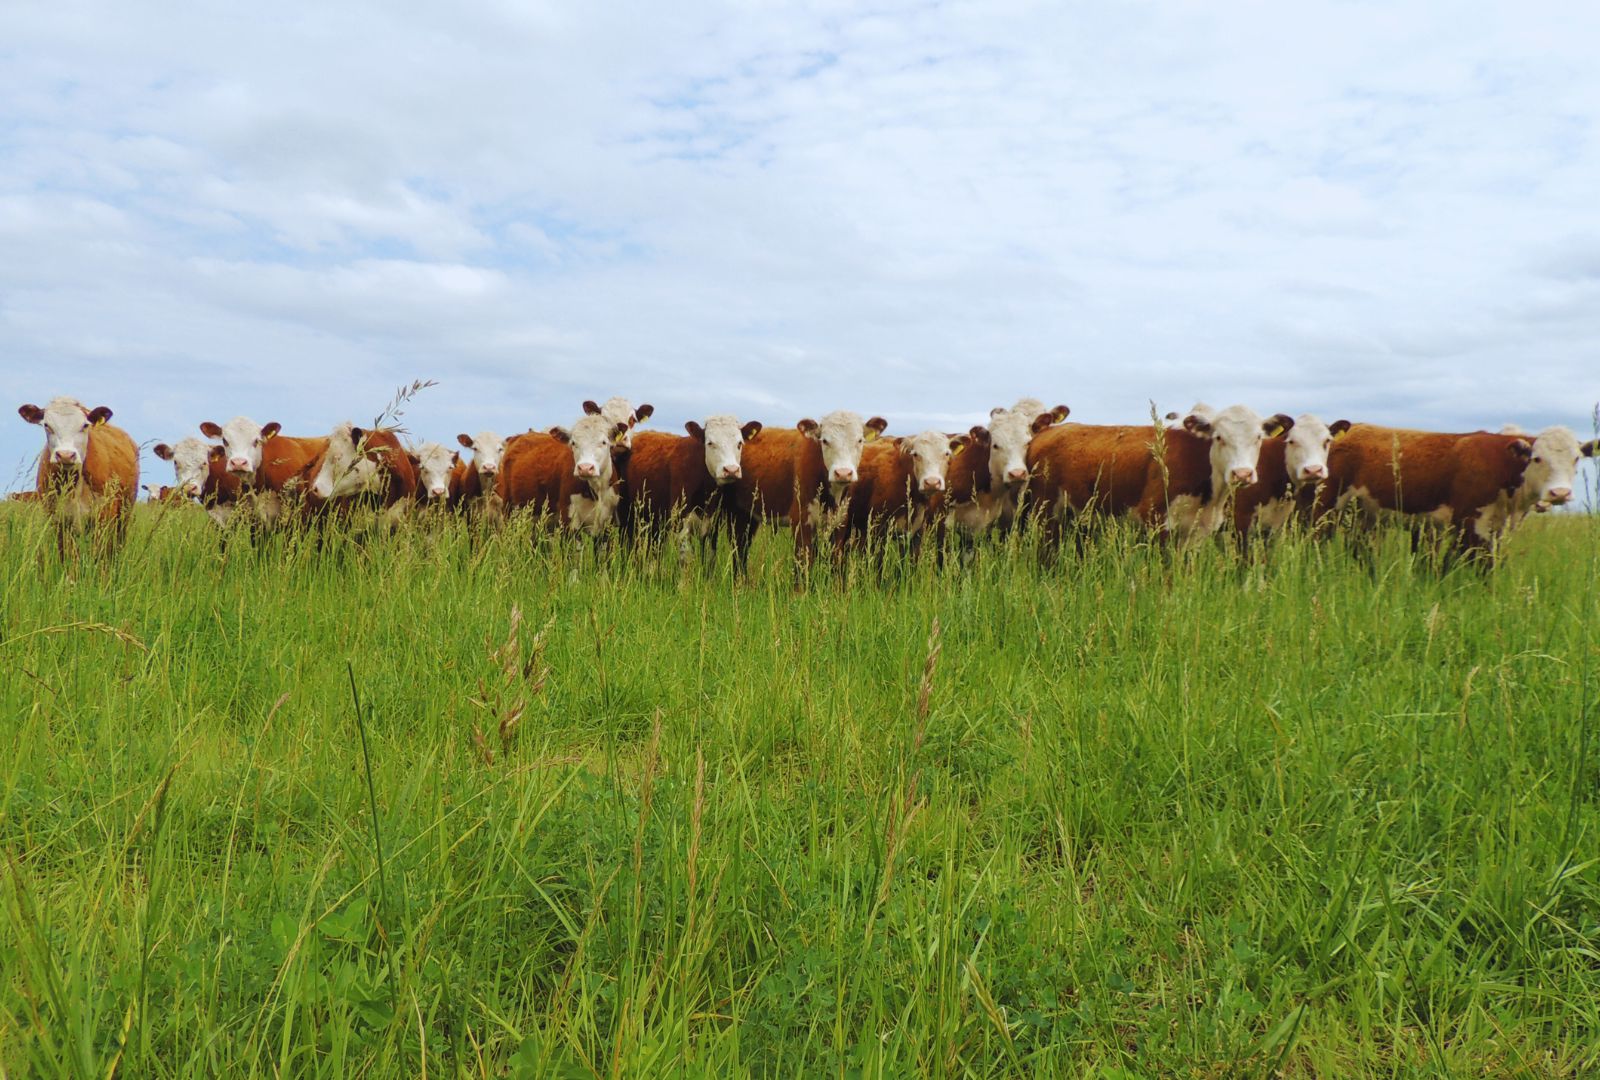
(1381, 211)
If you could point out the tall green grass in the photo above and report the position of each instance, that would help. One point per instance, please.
(1132, 813)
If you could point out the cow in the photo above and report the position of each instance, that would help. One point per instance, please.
(901, 487)
(1173, 480)
(273, 469)
(667, 478)
(1478, 485)
(800, 475)
(618, 410)
(362, 466)
(202, 475)
(434, 466)
(988, 481)
(568, 473)
(1288, 471)
(88, 474)
(472, 482)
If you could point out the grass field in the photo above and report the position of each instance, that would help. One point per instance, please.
(1137, 815)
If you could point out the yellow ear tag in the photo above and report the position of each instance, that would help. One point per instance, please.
(872, 434)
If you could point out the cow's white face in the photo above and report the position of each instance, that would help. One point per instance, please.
(242, 442)
(434, 463)
(1235, 434)
(930, 458)
(1010, 432)
(592, 439)
(618, 410)
(1552, 472)
(66, 426)
(1305, 449)
(346, 468)
(487, 451)
(843, 435)
(724, 441)
(191, 464)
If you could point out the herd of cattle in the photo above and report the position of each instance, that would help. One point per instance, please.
(840, 477)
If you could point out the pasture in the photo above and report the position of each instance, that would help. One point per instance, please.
(1137, 813)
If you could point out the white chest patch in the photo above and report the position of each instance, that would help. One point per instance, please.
(594, 515)
(977, 515)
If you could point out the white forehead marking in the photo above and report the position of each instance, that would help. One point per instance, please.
(487, 447)
(842, 425)
(434, 463)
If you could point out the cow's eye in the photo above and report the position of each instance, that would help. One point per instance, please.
(1537, 460)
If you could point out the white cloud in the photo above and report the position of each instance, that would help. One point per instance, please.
(1375, 210)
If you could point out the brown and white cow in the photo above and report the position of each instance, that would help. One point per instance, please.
(201, 474)
(1478, 484)
(273, 469)
(89, 470)
(667, 478)
(901, 486)
(472, 483)
(1114, 471)
(362, 467)
(800, 475)
(1290, 467)
(989, 478)
(434, 465)
(568, 473)
(619, 410)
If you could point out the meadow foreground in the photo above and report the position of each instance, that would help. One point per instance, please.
(1136, 814)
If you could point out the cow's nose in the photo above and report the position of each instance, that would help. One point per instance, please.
(238, 464)
(933, 483)
(1560, 495)
(844, 473)
(587, 468)
(732, 472)
(1244, 476)
(66, 454)
(191, 489)
(436, 491)
(1315, 472)
(1017, 474)
(488, 470)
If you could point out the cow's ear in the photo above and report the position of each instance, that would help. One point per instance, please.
(31, 413)
(808, 428)
(1590, 448)
(1338, 427)
(356, 435)
(210, 429)
(455, 457)
(643, 413)
(875, 427)
(997, 412)
(751, 429)
(696, 432)
(1521, 449)
(99, 414)
(162, 451)
(270, 430)
(560, 434)
(1197, 424)
(980, 435)
(214, 452)
(1041, 422)
(619, 431)
(465, 440)
(1277, 424)
(959, 443)
(1060, 412)
(416, 462)
(591, 409)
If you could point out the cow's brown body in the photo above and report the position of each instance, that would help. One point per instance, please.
(662, 479)
(1466, 481)
(1113, 471)
(784, 480)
